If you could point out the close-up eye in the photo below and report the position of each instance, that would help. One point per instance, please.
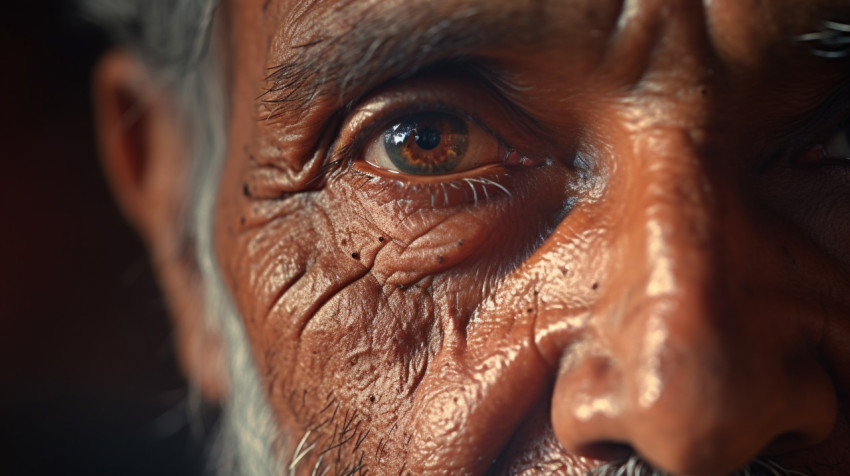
(833, 151)
(838, 146)
(433, 143)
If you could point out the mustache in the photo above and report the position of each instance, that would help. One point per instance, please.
(634, 465)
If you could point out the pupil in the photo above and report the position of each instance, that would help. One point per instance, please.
(428, 138)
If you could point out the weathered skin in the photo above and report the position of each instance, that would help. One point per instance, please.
(665, 276)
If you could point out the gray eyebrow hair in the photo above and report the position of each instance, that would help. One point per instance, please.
(380, 40)
(832, 41)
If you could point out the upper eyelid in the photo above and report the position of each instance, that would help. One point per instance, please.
(812, 127)
(470, 97)
(388, 119)
(366, 123)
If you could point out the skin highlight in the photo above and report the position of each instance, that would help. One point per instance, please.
(662, 278)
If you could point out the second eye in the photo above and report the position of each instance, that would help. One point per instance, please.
(432, 143)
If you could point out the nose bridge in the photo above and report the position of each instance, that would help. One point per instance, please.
(663, 236)
(670, 335)
(668, 314)
(673, 369)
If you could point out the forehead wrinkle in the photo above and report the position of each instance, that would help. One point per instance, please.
(356, 44)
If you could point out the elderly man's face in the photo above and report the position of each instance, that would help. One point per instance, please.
(526, 236)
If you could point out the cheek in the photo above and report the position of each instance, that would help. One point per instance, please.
(350, 293)
(367, 352)
(341, 309)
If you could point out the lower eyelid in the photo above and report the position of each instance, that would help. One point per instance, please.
(488, 183)
(429, 226)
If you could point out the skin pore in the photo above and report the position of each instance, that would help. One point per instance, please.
(645, 251)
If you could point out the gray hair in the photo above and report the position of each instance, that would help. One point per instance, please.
(174, 38)
(170, 35)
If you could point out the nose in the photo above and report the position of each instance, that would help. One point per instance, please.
(692, 355)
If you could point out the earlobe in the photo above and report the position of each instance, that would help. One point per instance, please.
(145, 150)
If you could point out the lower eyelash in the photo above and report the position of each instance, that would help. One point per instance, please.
(445, 194)
(485, 182)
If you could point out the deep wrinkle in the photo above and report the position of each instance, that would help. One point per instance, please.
(336, 65)
(646, 289)
(642, 288)
(406, 285)
(448, 187)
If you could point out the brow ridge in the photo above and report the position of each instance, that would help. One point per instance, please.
(370, 42)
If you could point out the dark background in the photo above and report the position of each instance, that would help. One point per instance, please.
(88, 382)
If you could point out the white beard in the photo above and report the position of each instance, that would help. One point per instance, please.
(248, 435)
(246, 441)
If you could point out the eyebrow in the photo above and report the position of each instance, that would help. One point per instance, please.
(374, 41)
(831, 41)
(347, 47)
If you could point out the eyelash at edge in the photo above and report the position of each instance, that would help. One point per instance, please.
(455, 192)
(342, 160)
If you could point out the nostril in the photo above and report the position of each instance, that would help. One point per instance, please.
(606, 450)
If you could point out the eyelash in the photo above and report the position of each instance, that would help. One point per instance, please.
(446, 194)
(474, 187)
(813, 151)
(803, 137)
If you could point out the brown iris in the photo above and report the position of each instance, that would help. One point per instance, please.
(428, 143)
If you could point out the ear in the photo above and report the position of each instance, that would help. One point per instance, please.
(145, 151)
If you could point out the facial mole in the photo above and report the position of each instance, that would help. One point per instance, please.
(245, 190)
(381, 239)
(371, 398)
(460, 243)
(595, 286)
(355, 255)
(530, 310)
(242, 220)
